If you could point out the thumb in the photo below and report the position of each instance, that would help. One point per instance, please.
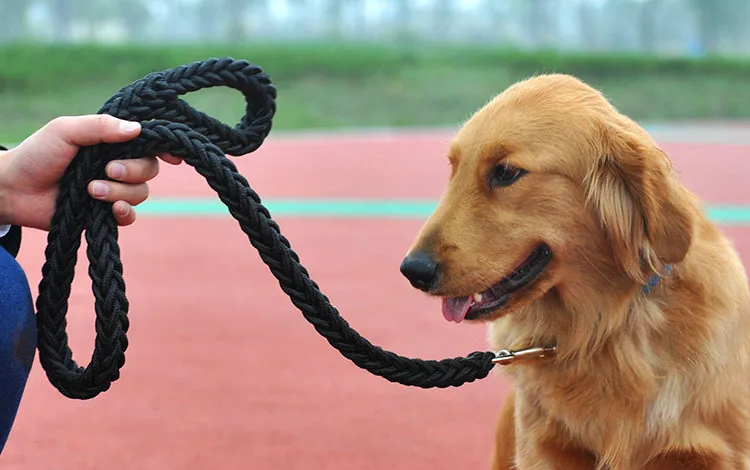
(67, 133)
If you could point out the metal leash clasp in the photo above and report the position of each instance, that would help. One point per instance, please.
(506, 357)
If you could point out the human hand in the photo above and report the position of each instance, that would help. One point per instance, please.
(31, 172)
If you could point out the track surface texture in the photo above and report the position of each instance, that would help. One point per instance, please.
(223, 372)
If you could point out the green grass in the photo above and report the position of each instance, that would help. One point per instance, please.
(325, 86)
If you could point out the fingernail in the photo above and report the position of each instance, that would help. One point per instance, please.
(99, 189)
(123, 210)
(129, 126)
(116, 170)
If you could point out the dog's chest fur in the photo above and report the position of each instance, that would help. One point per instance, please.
(638, 393)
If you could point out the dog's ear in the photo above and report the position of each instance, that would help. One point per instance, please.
(642, 210)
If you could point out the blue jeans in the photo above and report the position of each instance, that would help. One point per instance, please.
(17, 340)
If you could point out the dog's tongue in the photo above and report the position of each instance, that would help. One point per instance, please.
(455, 308)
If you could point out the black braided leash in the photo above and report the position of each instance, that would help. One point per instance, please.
(170, 125)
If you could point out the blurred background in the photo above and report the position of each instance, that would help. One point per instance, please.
(355, 63)
(221, 369)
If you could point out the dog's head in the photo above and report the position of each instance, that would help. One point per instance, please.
(545, 178)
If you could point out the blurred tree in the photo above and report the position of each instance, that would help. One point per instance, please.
(62, 12)
(208, 20)
(442, 15)
(300, 22)
(743, 20)
(539, 21)
(403, 19)
(334, 17)
(620, 16)
(588, 25)
(234, 12)
(713, 26)
(298, 4)
(68, 13)
(359, 16)
(12, 19)
(709, 18)
(718, 20)
(134, 15)
(494, 11)
(258, 10)
(649, 24)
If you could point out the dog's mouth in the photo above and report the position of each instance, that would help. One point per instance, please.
(482, 304)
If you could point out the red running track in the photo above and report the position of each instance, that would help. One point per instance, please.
(415, 166)
(223, 371)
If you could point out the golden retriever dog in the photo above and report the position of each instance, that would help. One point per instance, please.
(563, 225)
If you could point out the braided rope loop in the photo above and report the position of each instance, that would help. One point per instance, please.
(171, 125)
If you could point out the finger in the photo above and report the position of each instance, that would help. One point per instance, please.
(133, 171)
(91, 129)
(124, 213)
(171, 159)
(112, 191)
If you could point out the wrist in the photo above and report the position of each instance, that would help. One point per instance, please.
(6, 210)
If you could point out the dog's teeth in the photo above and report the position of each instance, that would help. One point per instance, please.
(477, 298)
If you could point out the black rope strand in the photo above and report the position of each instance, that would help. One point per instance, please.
(169, 124)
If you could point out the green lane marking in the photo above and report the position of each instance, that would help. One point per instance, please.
(729, 215)
(346, 208)
(360, 208)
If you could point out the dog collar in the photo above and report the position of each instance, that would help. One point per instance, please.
(506, 357)
(653, 281)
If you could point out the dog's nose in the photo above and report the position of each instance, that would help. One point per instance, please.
(420, 269)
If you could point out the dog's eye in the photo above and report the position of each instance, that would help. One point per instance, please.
(505, 175)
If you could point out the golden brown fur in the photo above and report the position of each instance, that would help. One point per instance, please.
(642, 381)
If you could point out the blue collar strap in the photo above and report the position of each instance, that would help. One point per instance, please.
(653, 281)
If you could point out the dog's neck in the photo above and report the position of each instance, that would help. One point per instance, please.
(547, 351)
(653, 281)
